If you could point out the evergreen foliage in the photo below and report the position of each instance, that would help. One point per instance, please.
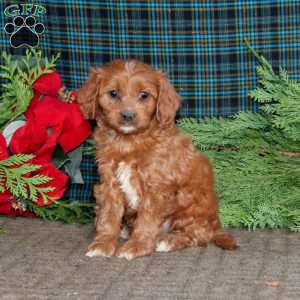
(18, 76)
(15, 177)
(66, 211)
(256, 155)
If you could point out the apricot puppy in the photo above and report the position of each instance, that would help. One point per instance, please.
(154, 183)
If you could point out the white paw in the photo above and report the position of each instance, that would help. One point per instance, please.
(128, 256)
(96, 252)
(162, 246)
(124, 233)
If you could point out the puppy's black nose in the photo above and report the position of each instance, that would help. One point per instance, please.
(127, 116)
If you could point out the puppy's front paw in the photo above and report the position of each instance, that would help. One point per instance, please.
(101, 248)
(133, 249)
(124, 233)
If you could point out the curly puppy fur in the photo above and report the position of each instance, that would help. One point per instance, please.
(154, 183)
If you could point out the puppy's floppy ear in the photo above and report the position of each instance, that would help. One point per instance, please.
(88, 94)
(168, 102)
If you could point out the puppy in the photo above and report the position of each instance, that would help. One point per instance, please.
(153, 181)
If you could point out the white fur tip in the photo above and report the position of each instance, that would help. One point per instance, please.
(126, 255)
(163, 246)
(124, 233)
(94, 253)
(127, 129)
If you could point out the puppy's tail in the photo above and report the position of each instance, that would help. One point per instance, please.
(225, 240)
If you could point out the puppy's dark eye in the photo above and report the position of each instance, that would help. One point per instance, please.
(144, 95)
(113, 94)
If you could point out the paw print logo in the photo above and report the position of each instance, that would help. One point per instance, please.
(24, 31)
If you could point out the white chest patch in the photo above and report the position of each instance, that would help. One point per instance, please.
(123, 176)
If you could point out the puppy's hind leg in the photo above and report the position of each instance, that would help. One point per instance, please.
(195, 235)
(181, 239)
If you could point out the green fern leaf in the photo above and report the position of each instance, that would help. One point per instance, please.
(16, 160)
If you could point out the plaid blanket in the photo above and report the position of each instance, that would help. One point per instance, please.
(200, 44)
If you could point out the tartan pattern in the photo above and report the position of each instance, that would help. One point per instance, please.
(200, 44)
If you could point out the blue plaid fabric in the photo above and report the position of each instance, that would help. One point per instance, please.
(200, 44)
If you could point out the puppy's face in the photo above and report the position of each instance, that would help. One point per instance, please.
(127, 96)
(128, 99)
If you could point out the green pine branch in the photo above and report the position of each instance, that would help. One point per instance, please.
(16, 160)
(245, 130)
(19, 75)
(255, 155)
(279, 97)
(15, 174)
(68, 212)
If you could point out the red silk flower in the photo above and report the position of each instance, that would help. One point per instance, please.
(3, 150)
(48, 84)
(49, 121)
(59, 182)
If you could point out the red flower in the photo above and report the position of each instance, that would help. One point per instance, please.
(3, 149)
(48, 84)
(50, 121)
(6, 200)
(33, 103)
(59, 182)
(28, 138)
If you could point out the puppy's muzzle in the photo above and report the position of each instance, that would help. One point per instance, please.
(127, 116)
